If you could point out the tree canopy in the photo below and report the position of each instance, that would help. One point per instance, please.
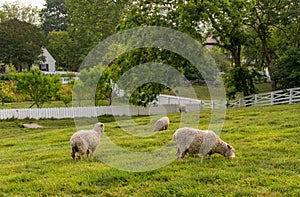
(40, 88)
(250, 35)
(16, 10)
(20, 43)
(54, 16)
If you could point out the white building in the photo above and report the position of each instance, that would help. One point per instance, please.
(49, 64)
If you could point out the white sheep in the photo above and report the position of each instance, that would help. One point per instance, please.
(204, 142)
(84, 141)
(182, 108)
(161, 124)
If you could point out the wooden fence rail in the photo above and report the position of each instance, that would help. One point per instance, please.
(287, 96)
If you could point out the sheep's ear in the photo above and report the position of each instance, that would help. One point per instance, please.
(228, 146)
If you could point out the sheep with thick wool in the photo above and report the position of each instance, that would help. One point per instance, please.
(161, 124)
(203, 142)
(182, 108)
(84, 141)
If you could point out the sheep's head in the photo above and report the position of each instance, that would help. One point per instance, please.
(99, 127)
(229, 152)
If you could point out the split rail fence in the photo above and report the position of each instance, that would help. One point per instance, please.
(287, 96)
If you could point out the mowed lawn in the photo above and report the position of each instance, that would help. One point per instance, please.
(37, 162)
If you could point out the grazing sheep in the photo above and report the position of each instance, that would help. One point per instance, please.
(162, 124)
(182, 108)
(85, 141)
(204, 142)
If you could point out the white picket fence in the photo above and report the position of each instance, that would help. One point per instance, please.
(203, 104)
(287, 96)
(74, 112)
(166, 104)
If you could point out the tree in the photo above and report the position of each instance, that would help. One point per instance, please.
(65, 94)
(287, 72)
(54, 16)
(6, 91)
(90, 23)
(265, 16)
(19, 11)
(60, 46)
(20, 43)
(40, 88)
(234, 83)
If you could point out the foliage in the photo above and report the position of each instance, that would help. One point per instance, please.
(225, 25)
(90, 23)
(266, 139)
(7, 91)
(60, 47)
(22, 43)
(40, 88)
(264, 17)
(221, 58)
(54, 16)
(288, 71)
(240, 79)
(16, 10)
(65, 94)
(200, 20)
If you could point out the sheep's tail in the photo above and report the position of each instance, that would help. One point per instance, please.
(76, 142)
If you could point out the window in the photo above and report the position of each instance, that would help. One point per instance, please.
(44, 67)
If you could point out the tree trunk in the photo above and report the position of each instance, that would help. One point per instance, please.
(270, 65)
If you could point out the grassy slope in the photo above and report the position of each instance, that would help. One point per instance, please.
(266, 139)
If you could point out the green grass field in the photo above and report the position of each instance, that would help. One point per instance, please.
(37, 162)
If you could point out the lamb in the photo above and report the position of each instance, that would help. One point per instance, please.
(162, 124)
(204, 142)
(84, 141)
(182, 108)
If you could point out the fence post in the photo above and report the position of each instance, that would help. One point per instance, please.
(213, 104)
(272, 98)
(291, 96)
(240, 102)
(255, 99)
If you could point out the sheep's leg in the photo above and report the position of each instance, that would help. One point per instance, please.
(80, 154)
(73, 152)
(183, 156)
(93, 153)
(87, 153)
(177, 154)
(202, 158)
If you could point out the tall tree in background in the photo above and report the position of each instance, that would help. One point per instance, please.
(287, 73)
(16, 10)
(264, 17)
(54, 16)
(91, 22)
(20, 43)
(255, 33)
(60, 47)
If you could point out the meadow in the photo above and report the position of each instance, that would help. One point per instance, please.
(37, 162)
